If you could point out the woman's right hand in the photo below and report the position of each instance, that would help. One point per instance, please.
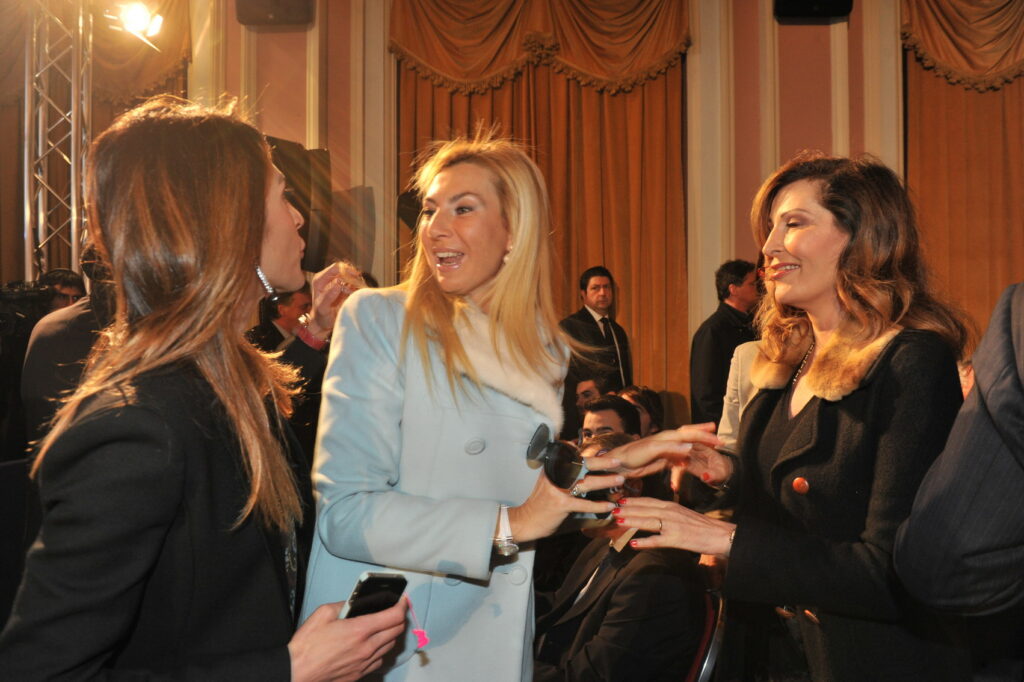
(548, 505)
(326, 648)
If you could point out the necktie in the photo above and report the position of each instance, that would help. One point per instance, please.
(606, 327)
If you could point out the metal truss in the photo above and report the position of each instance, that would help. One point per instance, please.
(57, 116)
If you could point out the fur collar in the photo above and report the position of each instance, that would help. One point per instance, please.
(538, 389)
(837, 371)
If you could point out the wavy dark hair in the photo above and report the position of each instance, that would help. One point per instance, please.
(881, 277)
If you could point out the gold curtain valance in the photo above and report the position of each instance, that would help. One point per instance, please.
(123, 66)
(474, 46)
(975, 43)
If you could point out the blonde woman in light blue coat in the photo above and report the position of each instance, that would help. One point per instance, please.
(433, 391)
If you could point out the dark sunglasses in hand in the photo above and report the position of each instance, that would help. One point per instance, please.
(562, 463)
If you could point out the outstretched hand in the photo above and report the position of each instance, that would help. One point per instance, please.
(674, 526)
(686, 445)
(548, 505)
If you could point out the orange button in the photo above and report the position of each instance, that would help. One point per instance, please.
(800, 485)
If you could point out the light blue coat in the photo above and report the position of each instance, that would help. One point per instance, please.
(409, 479)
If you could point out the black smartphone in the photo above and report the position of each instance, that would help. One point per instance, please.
(373, 592)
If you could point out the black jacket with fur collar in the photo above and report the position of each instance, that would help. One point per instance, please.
(880, 416)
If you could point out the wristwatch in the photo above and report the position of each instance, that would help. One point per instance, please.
(503, 542)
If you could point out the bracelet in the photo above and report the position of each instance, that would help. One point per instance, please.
(503, 542)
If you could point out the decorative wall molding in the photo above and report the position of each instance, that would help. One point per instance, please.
(315, 37)
(839, 51)
(372, 82)
(206, 71)
(883, 82)
(769, 90)
(710, 181)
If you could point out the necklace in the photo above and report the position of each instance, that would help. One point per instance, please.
(803, 363)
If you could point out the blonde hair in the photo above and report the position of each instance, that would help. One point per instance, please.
(519, 303)
(176, 204)
(881, 278)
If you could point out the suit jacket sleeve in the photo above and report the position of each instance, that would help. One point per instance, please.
(962, 548)
(648, 618)
(709, 360)
(110, 492)
(361, 515)
(917, 402)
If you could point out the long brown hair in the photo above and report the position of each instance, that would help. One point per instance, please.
(881, 278)
(176, 205)
(520, 304)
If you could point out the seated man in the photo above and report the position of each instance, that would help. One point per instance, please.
(622, 613)
(609, 414)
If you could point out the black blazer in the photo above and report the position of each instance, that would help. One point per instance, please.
(138, 571)
(639, 620)
(710, 357)
(54, 361)
(829, 549)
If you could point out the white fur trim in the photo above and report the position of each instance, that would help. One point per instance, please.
(538, 389)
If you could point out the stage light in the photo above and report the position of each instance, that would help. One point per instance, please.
(137, 19)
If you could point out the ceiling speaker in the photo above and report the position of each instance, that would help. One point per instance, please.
(274, 12)
(812, 9)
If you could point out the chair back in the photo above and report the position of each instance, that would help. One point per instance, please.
(711, 639)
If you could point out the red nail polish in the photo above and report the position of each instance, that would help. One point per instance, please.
(705, 477)
(632, 543)
(622, 501)
(616, 511)
(620, 520)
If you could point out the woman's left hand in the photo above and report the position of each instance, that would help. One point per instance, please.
(674, 526)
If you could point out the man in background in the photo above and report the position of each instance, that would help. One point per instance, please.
(594, 325)
(278, 322)
(718, 336)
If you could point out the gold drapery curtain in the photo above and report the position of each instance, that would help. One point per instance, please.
(124, 70)
(965, 148)
(975, 43)
(596, 90)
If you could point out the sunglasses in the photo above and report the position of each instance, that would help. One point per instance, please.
(562, 463)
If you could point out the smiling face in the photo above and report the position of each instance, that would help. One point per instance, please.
(802, 252)
(281, 252)
(462, 230)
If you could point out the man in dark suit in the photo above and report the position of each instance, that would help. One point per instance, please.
(962, 548)
(279, 323)
(718, 336)
(622, 614)
(593, 324)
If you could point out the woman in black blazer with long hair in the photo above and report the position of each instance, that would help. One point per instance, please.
(173, 491)
(858, 389)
